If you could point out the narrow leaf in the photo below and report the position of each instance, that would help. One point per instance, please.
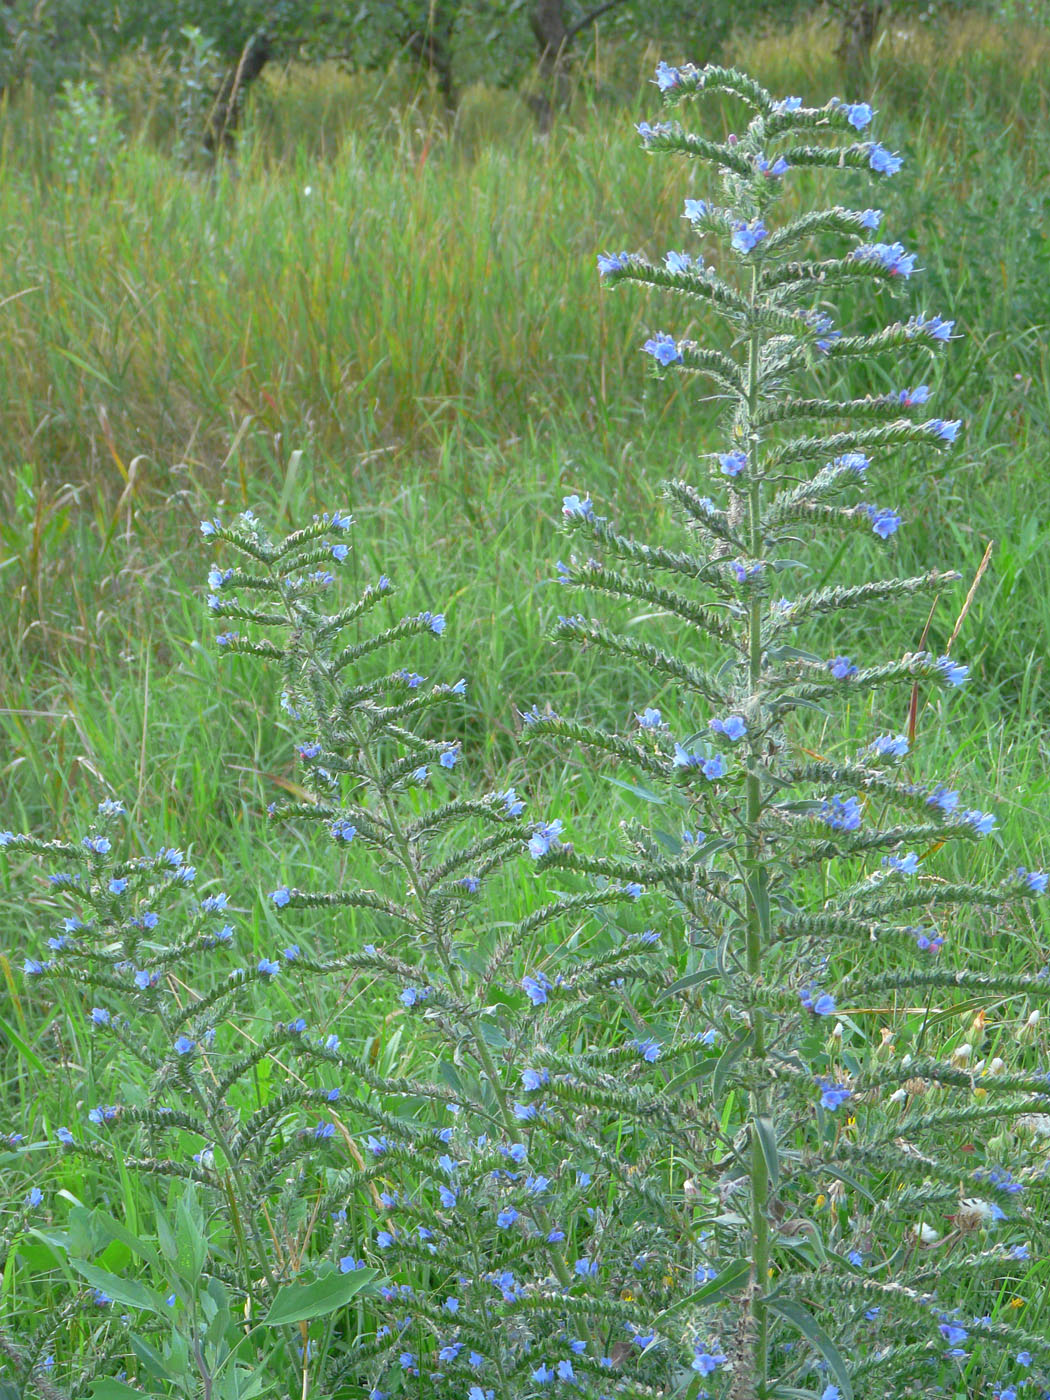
(799, 1317)
(301, 1302)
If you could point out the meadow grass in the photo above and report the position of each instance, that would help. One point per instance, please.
(407, 321)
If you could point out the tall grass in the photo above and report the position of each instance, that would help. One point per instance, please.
(368, 318)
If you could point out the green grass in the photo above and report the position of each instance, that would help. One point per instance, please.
(422, 337)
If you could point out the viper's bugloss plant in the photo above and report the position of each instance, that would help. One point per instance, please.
(663, 1134)
(839, 1170)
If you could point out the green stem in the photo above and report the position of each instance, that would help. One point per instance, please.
(758, 931)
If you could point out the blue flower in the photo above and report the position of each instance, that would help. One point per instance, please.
(525, 1111)
(713, 768)
(324, 1130)
(100, 1299)
(533, 1079)
(822, 1005)
(943, 798)
(787, 104)
(543, 1374)
(932, 326)
(208, 527)
(732, 463)
(184, 1045)
(706, 1361)
(858, 114)
(890, 256)
(412, 996)
(544, 838)
(649, 1049)
(954, 674)
(748, 236)
(733, 727)
(883, 162)
(831, 1392)
(907, 864)
(841, 814)
(650, 719)
(450, 756)
(982, 822)
(65, 1137)
(833, 1096)
(348, 1264)
(952, 1333)
(267, 967)
(506, 1218)
(926, 941)
(909, 398)
(1036, 880)
(435, 621)
(297, 1026)
(281, 897)
(99, 844)
(663, 348)
(573, 506)
(586, 1268)
(34, 1197)
(144, 978)
(100, 1016)
(889, 746)
(666, 76)
(613, 262)
(947, 431)
(771, 170)
(695, 209)
(118, 886)
(7, 837)
(536, 988)
(512, 802)
(648, 132)
(565, 1371)
(33, 967)
(448, 1196)
(870, 218)
(678, 262)
(884, 521)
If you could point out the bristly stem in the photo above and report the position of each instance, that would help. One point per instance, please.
(757, 895)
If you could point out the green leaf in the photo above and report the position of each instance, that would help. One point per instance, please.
(150, 1358)
(117, 1231)
(641, 792)
(767, 1140)
(799, 1317)
(301, 1302)
(113, 1390)
(727, 1060)
(700, 1070)
(849, 1180)
(492, 1035)
(121, 1290)
(730, 1280)
(692, 979)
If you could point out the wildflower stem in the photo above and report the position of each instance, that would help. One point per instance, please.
(757, 892)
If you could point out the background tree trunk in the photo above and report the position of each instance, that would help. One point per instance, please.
(221, 131)
(860, 28)
(547, 22)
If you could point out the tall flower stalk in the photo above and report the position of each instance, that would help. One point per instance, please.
(768, 943)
